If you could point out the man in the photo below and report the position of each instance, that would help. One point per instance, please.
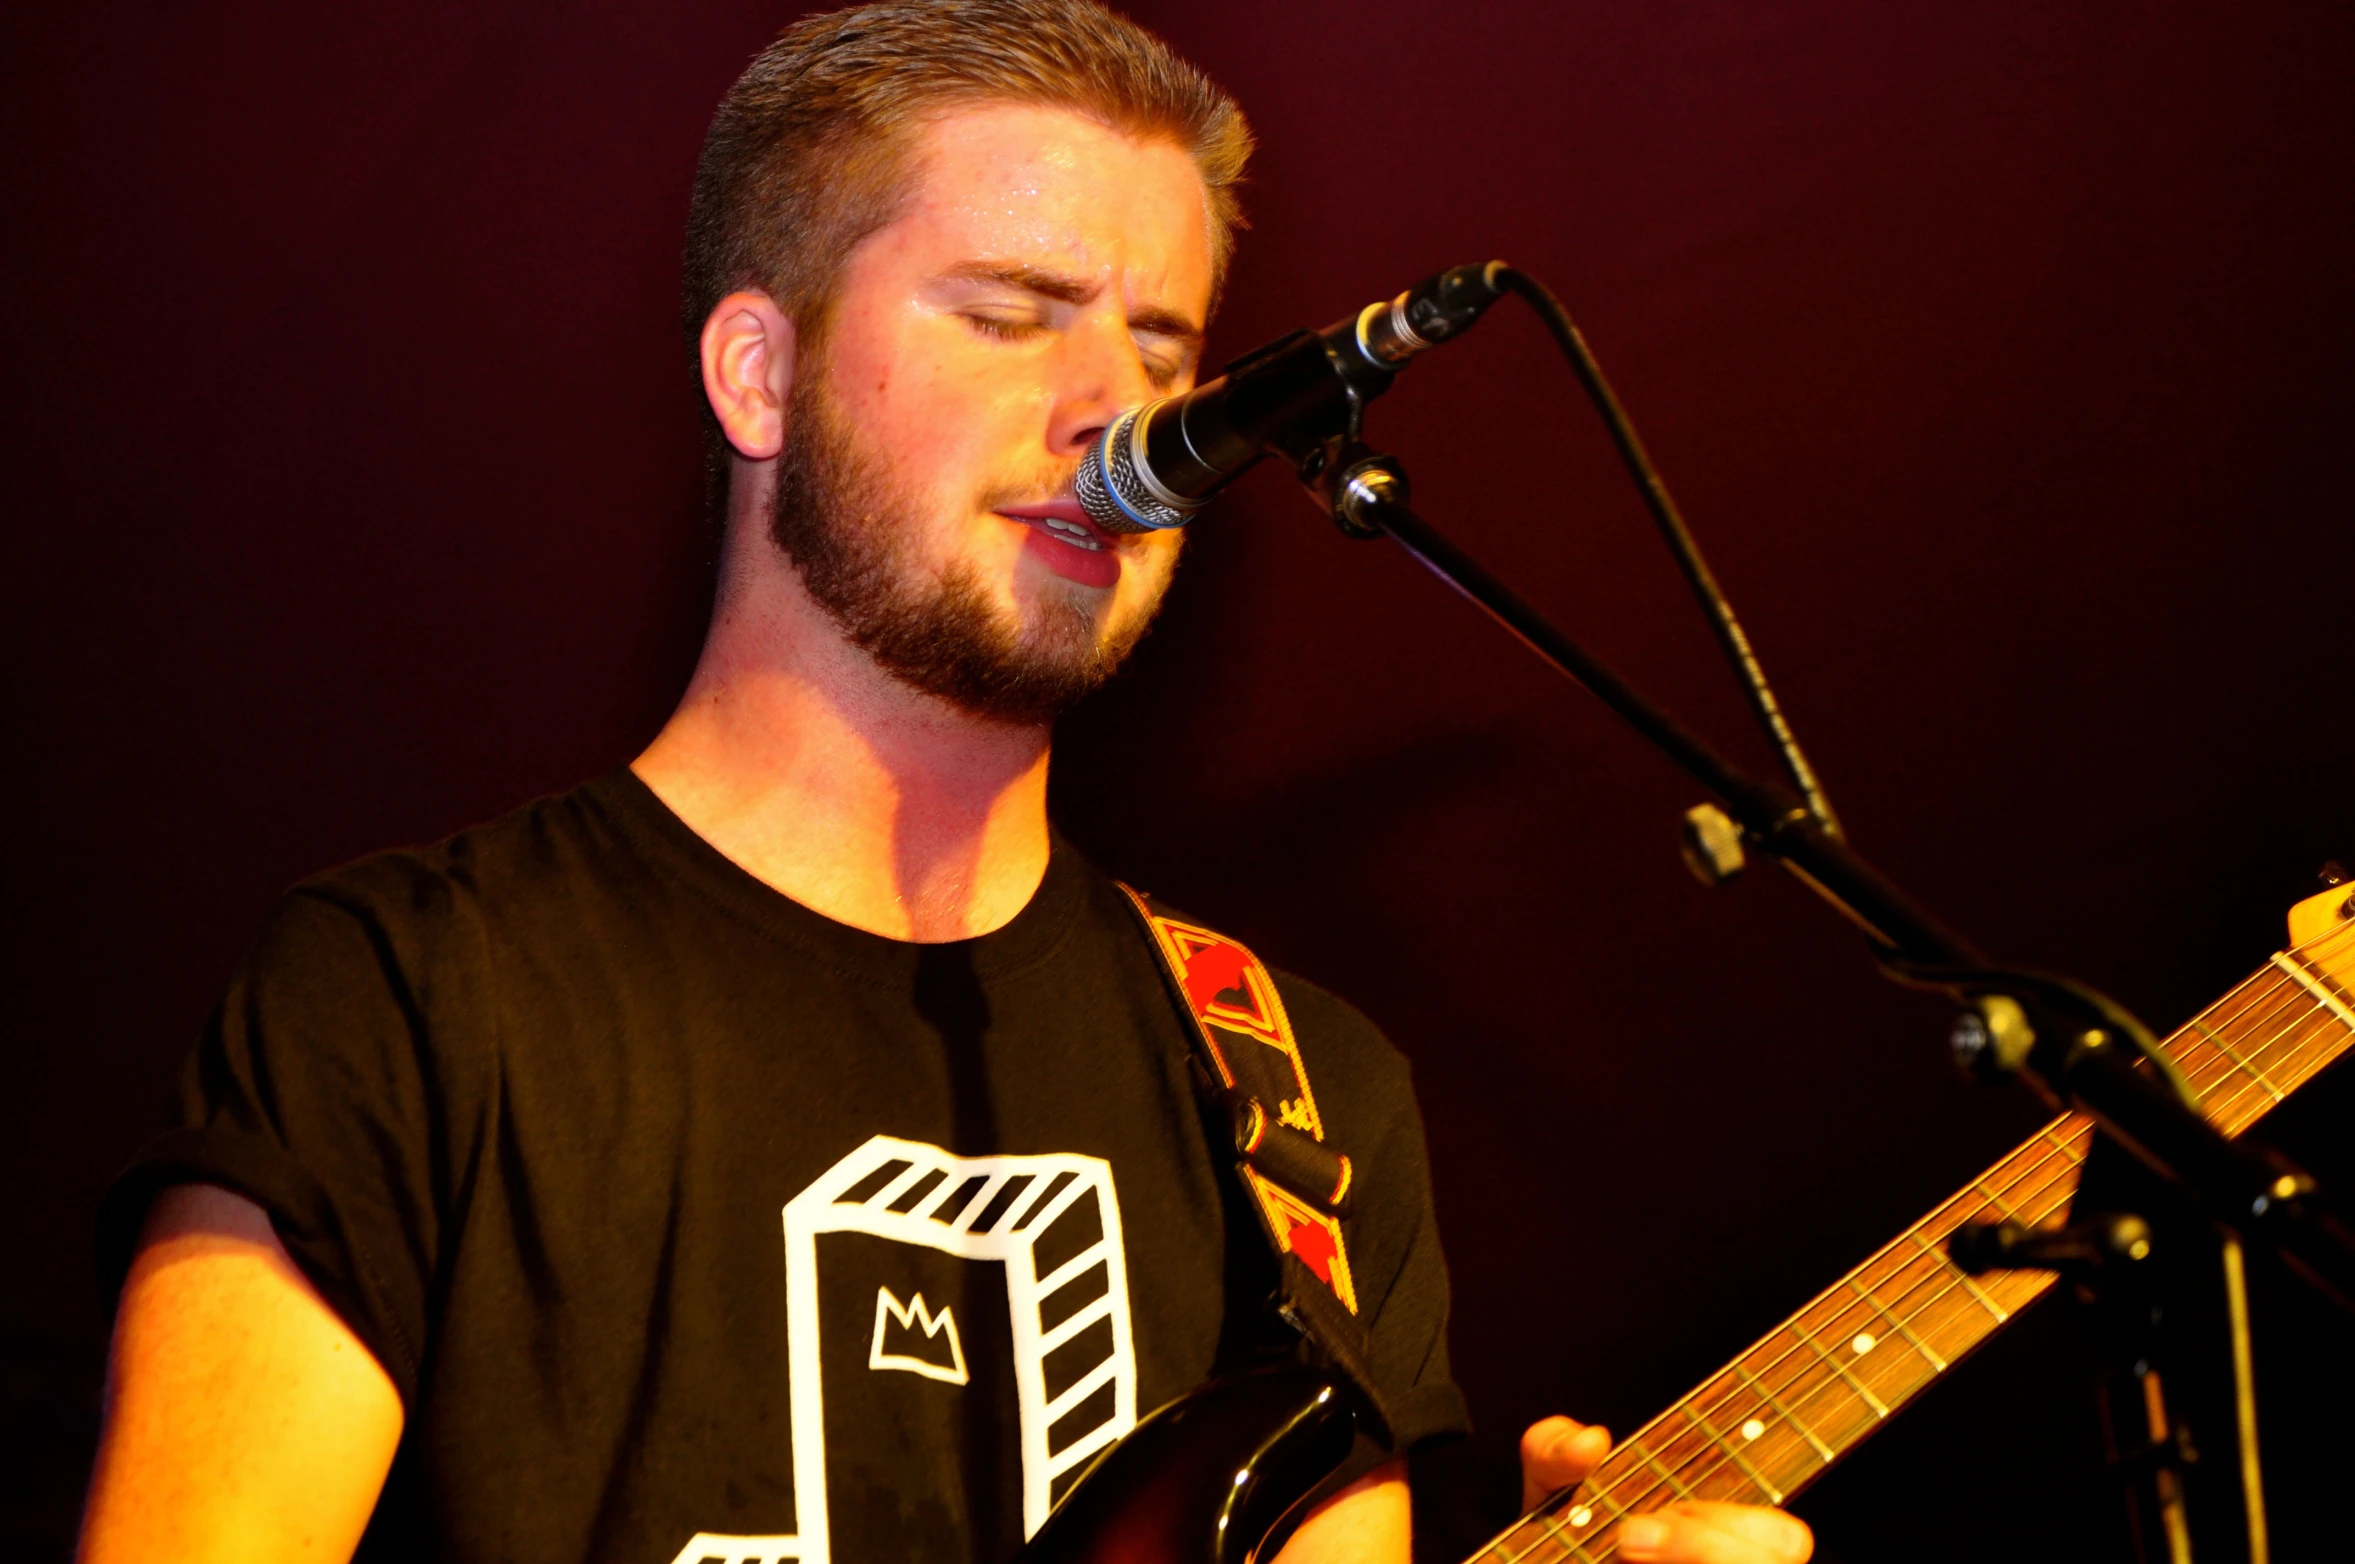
(466, 1243)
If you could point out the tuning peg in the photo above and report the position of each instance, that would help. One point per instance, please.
(2331, 874)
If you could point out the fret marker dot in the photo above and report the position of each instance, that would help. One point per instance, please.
(1862, 1344)
(1752, 1429)
(1580, 1515)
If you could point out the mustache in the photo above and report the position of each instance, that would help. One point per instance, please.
(1055, 481)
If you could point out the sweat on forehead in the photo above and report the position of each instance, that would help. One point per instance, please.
(1026, 184)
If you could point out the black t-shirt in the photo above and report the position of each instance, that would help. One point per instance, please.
(690, 1223)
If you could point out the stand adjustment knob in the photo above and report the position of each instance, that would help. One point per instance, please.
(1992, 1038)
(1712, 844)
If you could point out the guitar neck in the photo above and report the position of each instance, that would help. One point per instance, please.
(1769, 1423)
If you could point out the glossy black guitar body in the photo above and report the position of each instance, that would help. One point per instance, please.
(1203, 1480)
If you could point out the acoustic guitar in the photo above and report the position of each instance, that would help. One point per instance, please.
(1206, 1478)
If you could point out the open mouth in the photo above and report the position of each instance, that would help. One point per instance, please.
(1067, 543)
(1064, 520)
(1073, 533)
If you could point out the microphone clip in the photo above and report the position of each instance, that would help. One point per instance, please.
(1353, 482)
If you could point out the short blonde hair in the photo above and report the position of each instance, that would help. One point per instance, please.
(808, 153)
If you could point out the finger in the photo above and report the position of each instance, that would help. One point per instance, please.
(1557, 1453)
(1697, 1531)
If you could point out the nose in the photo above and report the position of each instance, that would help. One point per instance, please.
(1102, 376)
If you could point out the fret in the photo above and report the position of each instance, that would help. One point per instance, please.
(2067, 1170)
(2238, 1099)
(1946, 1319)
(2308, 979)
(2069, 1147)
(1696, 1463)
(1937, 1363)
(2287, 1011)
(2238, 1060)
(1671, 1452)
(2310, 1038)
(1970, 1282)
(1581, 1517)
(1841, 1369)
(1674, 1481)
(2322, 995)
(1589, 1512)
(2033, 1172)
(1760, 1439)
(2243, 1055)
(2321, 1039)
(2280, 1010)
(1822, 1450)
(1994, 1202)
(1866, 1332)
(2246, 1027)
(1970, 1327)
(1733, 1451)
(2251, 998)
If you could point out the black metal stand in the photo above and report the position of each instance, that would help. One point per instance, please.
(2072, 1045)
(2106, 1259)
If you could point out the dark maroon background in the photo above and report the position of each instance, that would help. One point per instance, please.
(1999, 353)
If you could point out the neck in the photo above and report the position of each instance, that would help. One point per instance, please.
(838, 786)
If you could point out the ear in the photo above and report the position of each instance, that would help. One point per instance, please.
(748, 371)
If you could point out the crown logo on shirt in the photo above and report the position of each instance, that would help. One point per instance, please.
(911, 1337)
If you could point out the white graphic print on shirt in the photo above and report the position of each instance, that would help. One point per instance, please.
(975, 1208)
(946, 1362)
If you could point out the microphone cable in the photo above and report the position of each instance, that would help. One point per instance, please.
(1657, 500)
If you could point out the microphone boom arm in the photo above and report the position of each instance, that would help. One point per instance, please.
(2071, 1053)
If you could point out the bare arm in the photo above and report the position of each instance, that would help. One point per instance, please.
(244, 1420)
(1368, 1522)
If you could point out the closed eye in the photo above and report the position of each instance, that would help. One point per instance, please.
(1003, 329)
(1163, 369)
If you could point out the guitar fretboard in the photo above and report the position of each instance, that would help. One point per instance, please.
(1773, 1420)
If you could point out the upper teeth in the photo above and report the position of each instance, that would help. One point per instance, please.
(1072, 532)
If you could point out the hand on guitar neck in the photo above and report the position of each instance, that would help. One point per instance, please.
(1559, 1452)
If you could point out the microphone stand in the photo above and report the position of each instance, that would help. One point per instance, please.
(2070, 1044)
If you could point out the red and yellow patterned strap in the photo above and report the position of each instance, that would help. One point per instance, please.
(1248, 1040)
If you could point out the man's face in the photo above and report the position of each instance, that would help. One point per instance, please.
(1045, 273)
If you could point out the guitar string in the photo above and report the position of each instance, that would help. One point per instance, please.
(2014, 1178)
(1635, 1503)
(2277, 985)
(1797, 1390)
(2211, 1028)
(2263, 1074)
(2014, 1188)
(2251, 1063)
(2220, 1063)
(2309, 1018)
(1611, 1497)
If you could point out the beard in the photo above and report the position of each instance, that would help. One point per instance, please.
(849, 524)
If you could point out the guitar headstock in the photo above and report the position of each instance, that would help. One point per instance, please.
(2319, 914)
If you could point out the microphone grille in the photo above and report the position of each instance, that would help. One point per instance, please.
(1111, 490)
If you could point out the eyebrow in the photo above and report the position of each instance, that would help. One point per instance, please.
(1072, 290)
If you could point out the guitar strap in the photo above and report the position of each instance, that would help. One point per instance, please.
(1247, 1062)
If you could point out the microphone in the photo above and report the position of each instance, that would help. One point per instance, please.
(1158, 464)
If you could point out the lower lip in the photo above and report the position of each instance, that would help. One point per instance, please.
(1088, 567)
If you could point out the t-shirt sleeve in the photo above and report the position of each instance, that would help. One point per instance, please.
(1365, 1092)
(311, 1093)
